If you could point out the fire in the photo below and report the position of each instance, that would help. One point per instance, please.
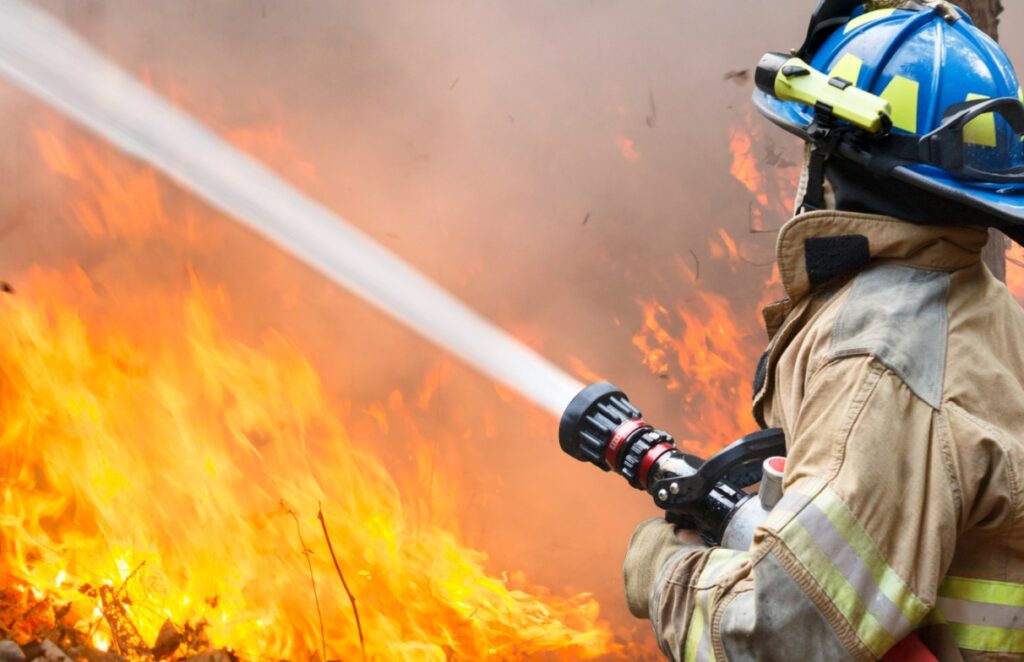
(705, 345)
(769, 176)
(162, 481)
(628, 148)
(725, 248)
(700, 350)
(744, 164)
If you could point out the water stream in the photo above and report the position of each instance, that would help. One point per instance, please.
(44, 57)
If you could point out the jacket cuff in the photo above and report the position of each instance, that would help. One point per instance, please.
(667, 570)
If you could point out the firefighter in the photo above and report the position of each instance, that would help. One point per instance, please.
(895, 367)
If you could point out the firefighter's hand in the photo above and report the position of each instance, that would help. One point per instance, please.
(653, 542)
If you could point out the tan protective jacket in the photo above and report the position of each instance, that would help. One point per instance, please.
(896, 369)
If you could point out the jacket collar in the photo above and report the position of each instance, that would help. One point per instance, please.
(823, 245)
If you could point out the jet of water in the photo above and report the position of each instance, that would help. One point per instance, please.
(47, 59)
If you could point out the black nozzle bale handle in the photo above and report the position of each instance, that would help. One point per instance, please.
(740, 464)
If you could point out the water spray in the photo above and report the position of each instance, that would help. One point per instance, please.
(47, 59)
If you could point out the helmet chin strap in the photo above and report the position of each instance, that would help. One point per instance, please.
(814, 192)
(814, 181)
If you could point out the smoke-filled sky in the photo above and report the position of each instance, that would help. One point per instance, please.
(549, 162)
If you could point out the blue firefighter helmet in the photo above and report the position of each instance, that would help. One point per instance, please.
(952, 122)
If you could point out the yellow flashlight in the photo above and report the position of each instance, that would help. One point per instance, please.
(791, 79)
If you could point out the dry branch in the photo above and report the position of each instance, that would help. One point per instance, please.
(126, 635)
(312, 580)
(341, 575)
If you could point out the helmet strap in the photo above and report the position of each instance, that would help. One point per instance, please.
(825, 136)
(814, 195)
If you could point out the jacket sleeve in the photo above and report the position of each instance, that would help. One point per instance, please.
(850, 560)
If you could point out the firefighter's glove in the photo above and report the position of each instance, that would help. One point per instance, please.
(653, 542)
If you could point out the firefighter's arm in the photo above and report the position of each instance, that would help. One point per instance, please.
(850, 560)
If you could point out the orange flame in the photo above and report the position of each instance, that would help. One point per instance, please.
(628, 148)
(700, 350)
(700, 346)
(744, 164)
(771, 178)
(151, 456)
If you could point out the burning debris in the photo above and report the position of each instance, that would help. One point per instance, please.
(627, 146)
(39, 628)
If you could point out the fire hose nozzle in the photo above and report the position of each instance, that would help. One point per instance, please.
(601, 427)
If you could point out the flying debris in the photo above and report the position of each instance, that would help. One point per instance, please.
(652, 115)
(738, 76)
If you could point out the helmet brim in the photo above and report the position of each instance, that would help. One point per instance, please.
(1005, 203)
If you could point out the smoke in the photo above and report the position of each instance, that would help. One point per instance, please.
(485, 143)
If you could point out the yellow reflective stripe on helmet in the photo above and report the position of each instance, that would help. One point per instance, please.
(981, 130)
(902, 94)
(835, 549)
(868, 17)
(848, 68)
(698, 646)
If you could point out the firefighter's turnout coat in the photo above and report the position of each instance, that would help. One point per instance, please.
(896, 369)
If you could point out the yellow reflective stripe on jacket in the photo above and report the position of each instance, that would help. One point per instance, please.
(983, 615)
(698, 636)
(827, 539)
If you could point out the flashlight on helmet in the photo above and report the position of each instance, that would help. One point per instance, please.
(791, 79)
(602, 427)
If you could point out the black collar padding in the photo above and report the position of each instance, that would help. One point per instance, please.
(859, 190)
